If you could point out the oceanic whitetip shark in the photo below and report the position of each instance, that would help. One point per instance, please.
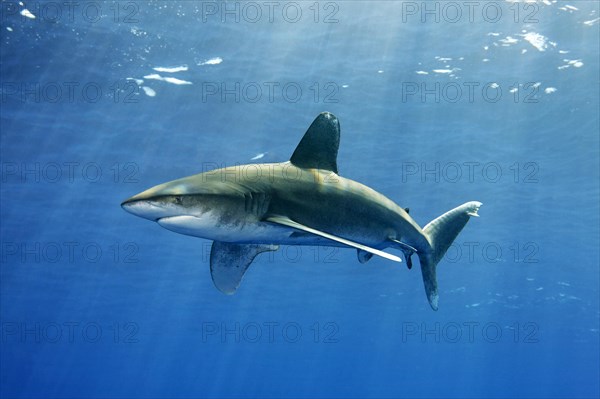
(249, 209)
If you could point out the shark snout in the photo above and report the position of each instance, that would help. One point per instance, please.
(145, 208)
(153, 206)
(164, 200)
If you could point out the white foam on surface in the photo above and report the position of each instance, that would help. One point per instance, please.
(258, 156)
(137, 81)
(181, 68)
(26, 13)
(167, 79)
(571, 63)
(137, 32)
(212, 61)
(536, 40)
(149, 91)
(176, 81)
(509, 41)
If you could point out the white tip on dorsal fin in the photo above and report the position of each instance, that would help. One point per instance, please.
(283, 220)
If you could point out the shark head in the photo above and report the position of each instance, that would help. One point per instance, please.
(166, 200)
(201, 205)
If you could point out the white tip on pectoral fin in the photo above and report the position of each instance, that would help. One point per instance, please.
(472, 208)
(283, 220)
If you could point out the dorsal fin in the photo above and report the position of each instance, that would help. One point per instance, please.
(318, 148)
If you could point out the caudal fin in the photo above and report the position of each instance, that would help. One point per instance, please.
(440, 233)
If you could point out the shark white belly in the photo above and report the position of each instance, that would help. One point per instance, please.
(210, 226)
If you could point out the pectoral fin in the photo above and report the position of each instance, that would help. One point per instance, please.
(285, 221)
(229, 262)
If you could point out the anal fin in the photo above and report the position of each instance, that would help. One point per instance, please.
(229, 262)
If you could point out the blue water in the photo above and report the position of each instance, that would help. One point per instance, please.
(436, 109)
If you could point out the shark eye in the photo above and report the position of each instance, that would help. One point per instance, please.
(178, 200)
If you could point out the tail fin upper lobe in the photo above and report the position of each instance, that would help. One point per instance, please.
(440, 233)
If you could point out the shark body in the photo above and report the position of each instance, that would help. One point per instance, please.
(249, 209)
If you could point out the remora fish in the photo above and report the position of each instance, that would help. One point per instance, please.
(249, 209)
